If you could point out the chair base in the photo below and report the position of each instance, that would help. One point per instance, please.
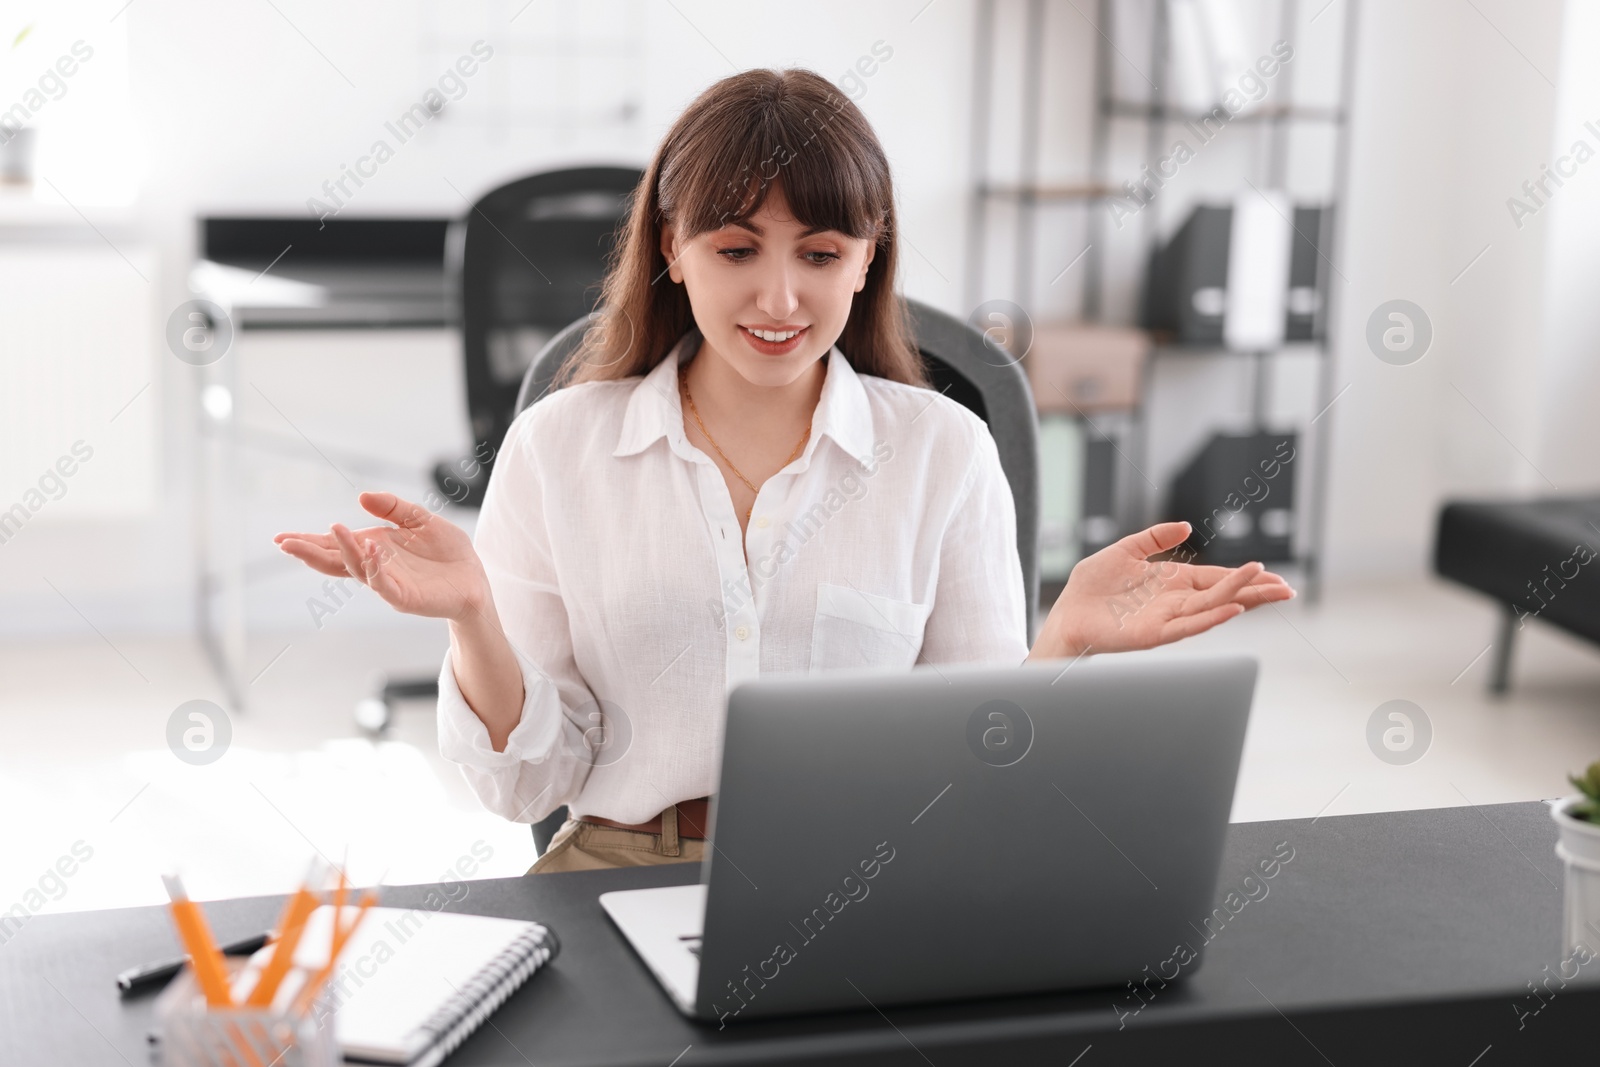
(374, 715)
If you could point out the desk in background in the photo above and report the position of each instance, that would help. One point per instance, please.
(1398, 938)
(344, 374)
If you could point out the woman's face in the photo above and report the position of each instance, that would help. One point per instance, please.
(767, 275)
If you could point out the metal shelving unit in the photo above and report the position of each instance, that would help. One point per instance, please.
(1028, 195)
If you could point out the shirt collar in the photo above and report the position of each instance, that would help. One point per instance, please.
(655, 408)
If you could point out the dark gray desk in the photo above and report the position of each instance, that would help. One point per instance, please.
(1405, 938)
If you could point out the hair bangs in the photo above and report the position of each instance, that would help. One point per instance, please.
(782, 141)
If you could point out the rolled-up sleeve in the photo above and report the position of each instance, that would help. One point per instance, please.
(547, 756)
(979, 610)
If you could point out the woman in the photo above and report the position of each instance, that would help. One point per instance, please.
(751, 360)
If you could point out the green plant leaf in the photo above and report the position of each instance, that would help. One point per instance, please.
(1588, 810)
(1589, 783)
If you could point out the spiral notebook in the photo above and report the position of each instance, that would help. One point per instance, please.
(413, 984)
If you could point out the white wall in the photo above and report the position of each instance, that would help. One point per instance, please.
(1567, 449)
(1450, 117)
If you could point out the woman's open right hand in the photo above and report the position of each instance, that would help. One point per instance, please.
(422, 565)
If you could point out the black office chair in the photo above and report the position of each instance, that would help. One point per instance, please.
(526, 260)
(961, 364)
(531, 256)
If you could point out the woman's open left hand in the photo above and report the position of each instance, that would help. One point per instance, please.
(1119, 600)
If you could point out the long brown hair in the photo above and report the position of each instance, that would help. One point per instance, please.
(716, 166)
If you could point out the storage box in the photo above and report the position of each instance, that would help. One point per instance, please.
(1238, 494)
(1078, 368)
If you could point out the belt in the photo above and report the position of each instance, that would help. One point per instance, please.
(688, 816)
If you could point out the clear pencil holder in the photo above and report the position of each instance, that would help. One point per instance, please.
(194, 1034)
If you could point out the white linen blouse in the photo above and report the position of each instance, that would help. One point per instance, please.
(612, 549)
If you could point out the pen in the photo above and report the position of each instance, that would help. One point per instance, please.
(135, 979)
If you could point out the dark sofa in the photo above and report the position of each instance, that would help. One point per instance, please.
(1537, 559)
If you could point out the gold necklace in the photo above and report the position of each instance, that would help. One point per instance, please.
(683, 383)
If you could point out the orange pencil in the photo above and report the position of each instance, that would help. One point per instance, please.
(345, 932)
(338, 897)
(336, 945)
(196, 934)
(295, 913)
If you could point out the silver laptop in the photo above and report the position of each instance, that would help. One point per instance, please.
(952, 832)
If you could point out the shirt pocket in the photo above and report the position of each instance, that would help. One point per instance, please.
(856, 629)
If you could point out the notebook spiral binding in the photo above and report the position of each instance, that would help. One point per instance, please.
(459, 1016)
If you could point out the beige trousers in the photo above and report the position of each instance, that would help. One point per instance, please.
(587, 846)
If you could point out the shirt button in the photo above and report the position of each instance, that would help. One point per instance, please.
(762, 522)
(742, 632)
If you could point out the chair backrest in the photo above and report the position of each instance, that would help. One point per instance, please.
(527, 259)
(963, 365)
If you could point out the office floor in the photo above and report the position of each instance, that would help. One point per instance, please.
(85, 757)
